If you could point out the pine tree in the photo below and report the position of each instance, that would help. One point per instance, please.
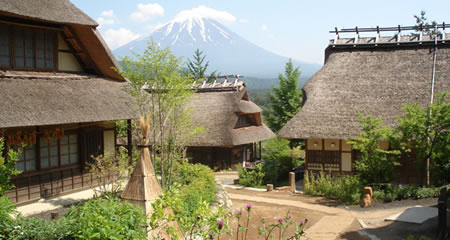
(196, 67)
(286, 100)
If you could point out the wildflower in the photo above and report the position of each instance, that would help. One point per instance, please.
(198, 217)
(280, 220)
(211, 236)
(249, 206)
(220, 224)
(302, 223)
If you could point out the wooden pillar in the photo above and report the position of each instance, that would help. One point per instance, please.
(292, 181)
(129, 140)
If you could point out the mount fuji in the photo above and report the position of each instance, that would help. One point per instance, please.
(227, 52)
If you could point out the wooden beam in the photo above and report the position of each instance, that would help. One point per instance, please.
(129, 139)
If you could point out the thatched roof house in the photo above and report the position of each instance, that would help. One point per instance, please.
(232, 123)
(373, 75)
(60, 94)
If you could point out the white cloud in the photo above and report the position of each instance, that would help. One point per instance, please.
(107, 13)
(206, 12)
(105, 21)
(118, 37)
(264, 27)
(243, 20)
(146, 12)
(107, 17)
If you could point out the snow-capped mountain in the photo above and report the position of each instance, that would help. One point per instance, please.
(227, 52)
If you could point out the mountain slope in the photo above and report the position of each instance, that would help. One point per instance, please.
(227, 52)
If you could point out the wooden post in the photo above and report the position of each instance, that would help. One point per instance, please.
(129, 140)
(292, 181)
(269, 187)
(54, 215)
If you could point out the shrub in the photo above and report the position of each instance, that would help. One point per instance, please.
(29, 228)
(251, 178)
(346, 188)
(110, 171)
(193, 188)
(7, 208)
(107, 219)
(7, 168)
(279, 159)
(374, 165)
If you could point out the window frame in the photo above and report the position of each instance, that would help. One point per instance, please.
(12, 28)
(59, 155)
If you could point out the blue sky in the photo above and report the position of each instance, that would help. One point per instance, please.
(292, 28)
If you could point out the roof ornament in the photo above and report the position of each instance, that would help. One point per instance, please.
(357, 36)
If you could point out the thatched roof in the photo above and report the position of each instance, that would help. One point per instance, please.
(373, 78)
(43, 98)
(55, 11)
(218, 113)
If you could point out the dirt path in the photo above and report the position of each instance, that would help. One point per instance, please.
(324, 222)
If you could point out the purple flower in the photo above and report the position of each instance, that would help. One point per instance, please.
(302, 223)
(249, 206)
(239, 212)
(211, 236)
(280, 220)
(220, 224)
(198, 217)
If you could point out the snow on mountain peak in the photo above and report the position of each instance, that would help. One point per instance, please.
(199, 27)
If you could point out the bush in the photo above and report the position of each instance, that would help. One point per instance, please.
(251, 178)
(279, 159)
(7, 208)
(107, 219)
(345, 188)
(29, 228)
(390, 193)
(193, 188)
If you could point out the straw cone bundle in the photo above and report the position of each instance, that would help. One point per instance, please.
(143, 188)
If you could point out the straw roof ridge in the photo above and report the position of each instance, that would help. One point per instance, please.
(56, 11)
(60, 98)
(218, 113)
(377, 81)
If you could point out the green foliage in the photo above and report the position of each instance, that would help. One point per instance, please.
(29, 228)
(110, 171)
(194, 191)
(107, 219)
(374, 165)
(426, 131)
(346, 188)
(198, 67)
(422, 24)
(8, 168)
(390, 193)
(170, 120)
(7, 210)
(122, 127)
(251, 178)
(286, 100)
(279, 159)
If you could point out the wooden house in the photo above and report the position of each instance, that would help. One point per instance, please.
(374, 75)
(232, 122)
(59, 95)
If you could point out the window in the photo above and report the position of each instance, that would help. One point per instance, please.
(27, 159)
(57, 153)
(27, 48)
(244, 121)
(92, 144)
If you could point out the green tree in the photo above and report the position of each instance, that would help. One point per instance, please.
(284, 101)
(374, 165)
(422, 24)
(426, 131)
(198, 67)
(168, 90)
(7, 168)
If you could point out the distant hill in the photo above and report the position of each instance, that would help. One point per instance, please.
(227, 52)
(254, 83)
